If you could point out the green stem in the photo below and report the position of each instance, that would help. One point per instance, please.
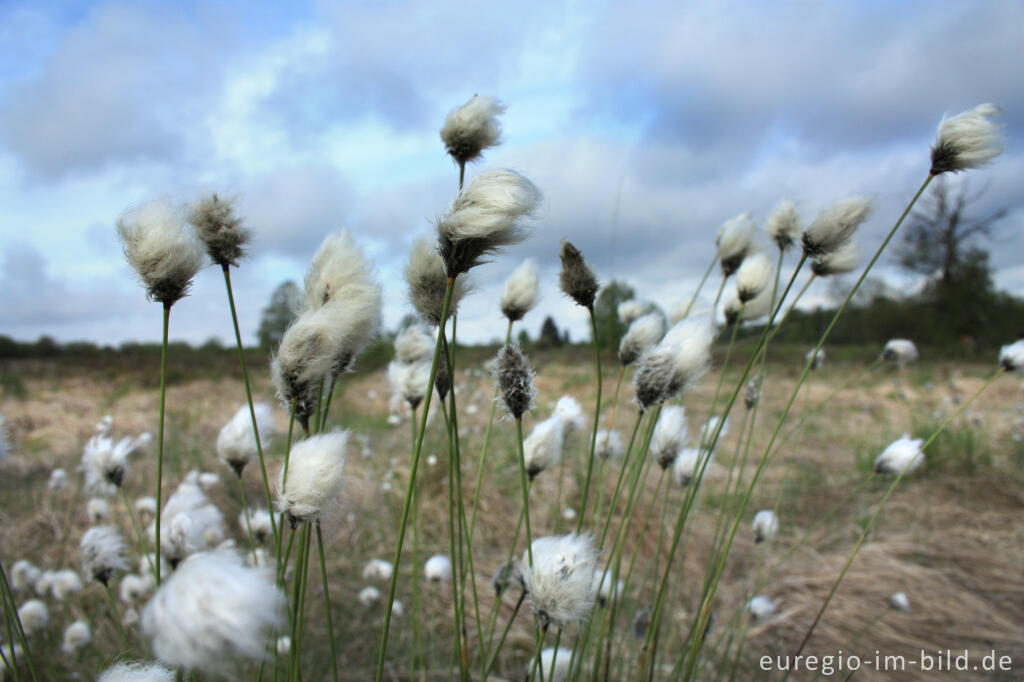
(453, 546)
(248, 397)
(504, 634)
(412, 478)
(160, 437)
(707, 273)
(417, 623)
(523, 485)
(9, 597)
(327, 600)
(248, 521)
(597, 417)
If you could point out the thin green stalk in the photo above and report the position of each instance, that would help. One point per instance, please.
(707, 273)
(160, 437)
(525, 491)
(599, 502)
(408, 494)
(112, 604)
(248, 397)
(542, 633)
(785, 413)
(885, 498)
(597, 418)
(494, 659)
(329, 394)
(493, 617)
(248, 521)
(453, 546)
(327, 600)
(301, 607)
(9, 597)
(417, 622)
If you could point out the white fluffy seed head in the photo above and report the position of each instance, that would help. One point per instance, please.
(63, 584)
(900, 602)
(783, 225)
(609, 444)
(633, 309)
(315, 469)
(76, 636)
(427, 281)
(569, 410)
(338, 269)
(691, 342)
(438, 568)
(753, 276)
(560, 585)
(102, 549)
(900, 351)
(165, 254)
(1011, 357)
(105, 462)
(754, 309)
(901, 456)
(687, 465)
(471, 128)
(377, 569)
(555, 667)
(844, 258)
(58, 479)
(236, 442)
(284, 645)
(411, 381)
(542, 449)
(211, 610)
(834, 226)
(190, 523)
(643, 333)
(485, 217)
(145, 509)
(765, 525)
(260, 522)
(761, 607)
(414, 343)
(134, 587)
(97, 509)
(136, 672)
(669, 435)
(522, 289)
(24, 575)
(734, 240)
(219, 229)
(968, 140)
(34, 616)
(369, 595)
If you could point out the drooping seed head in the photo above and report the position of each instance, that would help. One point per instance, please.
(471, 128)
(521, 292)
(967, 140)
(219, 229)
(576, 279)
(515, 380)
(165, 254)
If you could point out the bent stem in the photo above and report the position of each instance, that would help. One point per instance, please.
(160, 437)
(248, 397)
(885, 498)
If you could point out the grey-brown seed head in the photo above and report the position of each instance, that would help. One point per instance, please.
(443, 378)
(576, 279)
(515, 380)
(219, 229)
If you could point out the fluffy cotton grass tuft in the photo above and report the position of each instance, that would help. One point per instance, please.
(555, 667)
(219, 229)
(542, 449)
(609, 444)
(75, 637)
(522, 289)
(102, 551)
(681, 358)
(236, 442)
(783, 225)
(438, 569)
(1011, 357)
(765, 525)
(900, 351)
(34, 616)
(968, 140)
(486, 217)
(845, 258)
(643, 333)
(753, 277)
(165, 254)
(734, 241)
(338, 271)
(576, 279)
(137, 672)
(901, 456)
(414, 343)
(471, 128)
(560, 585)
(632, 310)
(428, 280)
(834, 226)
(315, 469)
(669, 436)
(211, 610)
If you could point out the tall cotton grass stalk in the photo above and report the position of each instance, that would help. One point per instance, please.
(327, 600)
(911, 464)
(166, 257)
(515, 382)
(14, 624)
(700, 286)
(470, 129)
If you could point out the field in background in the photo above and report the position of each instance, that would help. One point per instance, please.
(950, 536)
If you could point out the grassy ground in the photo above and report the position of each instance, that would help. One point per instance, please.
(950, 537)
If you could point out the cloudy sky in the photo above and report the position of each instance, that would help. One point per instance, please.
(645, 124)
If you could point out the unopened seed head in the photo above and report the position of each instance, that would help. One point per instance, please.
(576, 278)
(428, 280)
(219, 229)
(515, 380)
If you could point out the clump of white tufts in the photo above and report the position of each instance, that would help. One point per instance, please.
(522, 289)
(219, 229)
(967, 140)
(845, 258)
(97, 509)
(555, 667)
(761, 607)
(734, 240)
(427, 281)
(900, 351)
(471, 128)
(24, 575)
(377, 569)
(644, 332)
(485, 217)
(753, 276)
(338, 271)
(568, 409)
(134, 587)
(609, 444)
(163, 252)
(236, 442)
(901, 456)
(414, 344)
(765, 525)
(1011, 357)
(560, 585)
(34, 616)
(136, 672)
(212, 609)
(900, 602)
(633, 309)
(314, 481)
(783, 225)
(76, 636)
(58, 479)
(368, 596)
(515, 380)
(669, 436)
(438, 568)
(102, 549)
(834, 226)
(542, 449)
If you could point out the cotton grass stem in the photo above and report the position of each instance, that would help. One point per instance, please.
(885, 498)
(248, 397)
(248, 521)
(693, 299)
(8, 596)
(160, 438)
(409, 488)
(597, 418)
(504, 634)
(327, 600)
(525, 490)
